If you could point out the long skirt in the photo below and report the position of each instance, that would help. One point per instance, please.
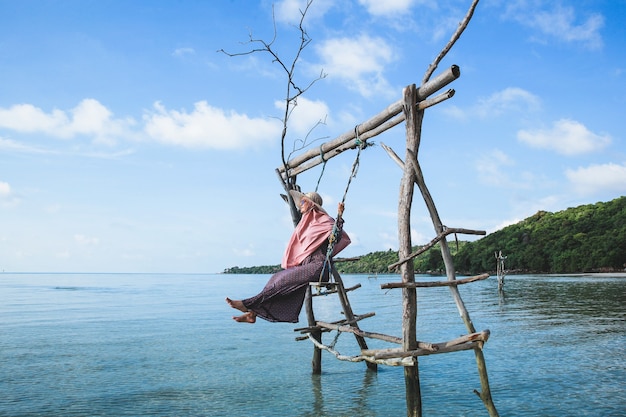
(281, 299)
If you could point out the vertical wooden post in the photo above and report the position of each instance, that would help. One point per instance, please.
(347, 311)
(409, 295)
(448, 261)
(316, 362)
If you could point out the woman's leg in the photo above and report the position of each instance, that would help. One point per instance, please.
(237, 305)
(249, 317)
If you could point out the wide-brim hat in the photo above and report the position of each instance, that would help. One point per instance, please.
(314, 197)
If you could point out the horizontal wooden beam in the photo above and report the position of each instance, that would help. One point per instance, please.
(334, 290)
(465, 342)
(335, 324)
(427, 284)
(446, 232)
(395, 357)
(348, 140)
(359, 332)
(322, 155)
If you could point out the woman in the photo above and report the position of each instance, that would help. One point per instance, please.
(281, 299)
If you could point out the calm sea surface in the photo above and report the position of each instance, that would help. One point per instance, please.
(165, 345)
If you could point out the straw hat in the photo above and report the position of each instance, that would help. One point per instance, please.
(314, 197)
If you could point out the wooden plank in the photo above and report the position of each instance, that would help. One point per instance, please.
(316, 362)
(423, 92)
(324, 155)
(428, 284)
(347, 311)
(444, 233)
(465, 342)
(333, 291)
(361, 333)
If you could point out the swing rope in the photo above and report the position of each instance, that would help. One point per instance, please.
(324, 160)
(334, 235)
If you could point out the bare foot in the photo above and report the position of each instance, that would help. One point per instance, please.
(237, 305)
(249, 317)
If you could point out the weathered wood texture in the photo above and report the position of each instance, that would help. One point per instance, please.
(399, 357)
(316, 362)
(454, 345)
(446, 232)
(409, 295)
(429, 284)
(370, 128)
(485, 394)
(348, 313)
(409, 109)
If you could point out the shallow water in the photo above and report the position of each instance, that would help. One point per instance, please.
(165, 345)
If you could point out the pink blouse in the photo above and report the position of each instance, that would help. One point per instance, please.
(315, 226)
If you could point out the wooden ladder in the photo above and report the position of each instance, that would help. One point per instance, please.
(316, 328)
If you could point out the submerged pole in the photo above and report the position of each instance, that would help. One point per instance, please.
(409, 295)
(316, 362)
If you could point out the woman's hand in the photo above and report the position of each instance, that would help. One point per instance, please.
(340, 208)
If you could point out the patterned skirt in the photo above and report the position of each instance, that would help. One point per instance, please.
(281, 299)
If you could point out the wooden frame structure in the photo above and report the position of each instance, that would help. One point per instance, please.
(409, 110)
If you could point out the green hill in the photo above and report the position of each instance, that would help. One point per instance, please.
(588, 238)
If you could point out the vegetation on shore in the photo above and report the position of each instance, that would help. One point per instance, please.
(587, 238)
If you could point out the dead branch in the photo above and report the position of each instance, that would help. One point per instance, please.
(457, 34)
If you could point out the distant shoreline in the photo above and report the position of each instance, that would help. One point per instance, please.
(587, 274)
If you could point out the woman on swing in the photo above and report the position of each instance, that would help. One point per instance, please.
(282, 298)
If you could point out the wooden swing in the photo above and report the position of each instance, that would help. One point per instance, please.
(406, 110)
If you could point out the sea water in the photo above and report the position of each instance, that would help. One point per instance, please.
(165, 345)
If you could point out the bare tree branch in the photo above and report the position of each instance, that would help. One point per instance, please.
(293, 90)
(462, 25)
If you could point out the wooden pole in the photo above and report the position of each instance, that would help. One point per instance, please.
(324, 156)
(409, 295)
(347, 311)
(448, 261)
(446, 232)
(424, 91)
(316, 362)
(431, 284)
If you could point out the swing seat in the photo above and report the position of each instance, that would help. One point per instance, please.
(330, 288)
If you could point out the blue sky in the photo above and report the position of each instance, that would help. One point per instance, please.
(129, 144)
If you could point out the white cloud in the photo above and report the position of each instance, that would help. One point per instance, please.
(359, 62)
(566, 137)
(52, 208)
(290, 11)
(88, 118)
(387, 7)
(12, 145)
(511, 99)
(63, 255)
(491, 170)
(525, 205)
(245, 252)
(5, 189)
(560, 22)
(204, 127)
(390, 240)
(305, 115)
(86, 240)
(183, 51)
(209, 127)
(7, 196)
(596, 179)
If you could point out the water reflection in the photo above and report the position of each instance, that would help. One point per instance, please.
(166, 345)
(346, 398)
(556, 340)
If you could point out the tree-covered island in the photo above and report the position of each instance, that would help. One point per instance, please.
(587, 238)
